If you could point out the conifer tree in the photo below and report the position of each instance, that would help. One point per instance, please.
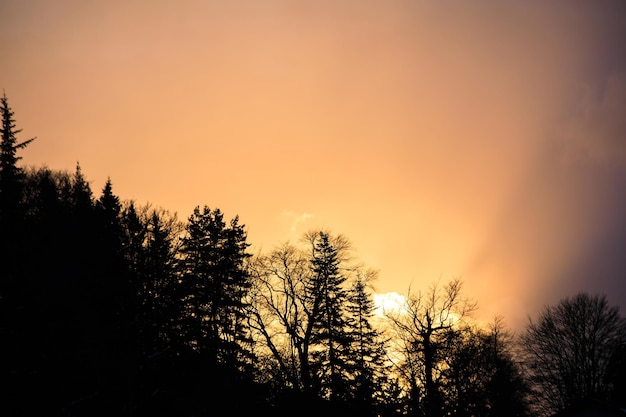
(214, 282)
(109, 206)
(12, 179)
(134, 235)
(82, 226)
(329, 357)
(108, 210)
(370, 369)
(159, 281)
(150, 255)
(20, 294)
(11, 175)
(81, 194)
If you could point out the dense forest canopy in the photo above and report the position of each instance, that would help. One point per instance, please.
(113, 307)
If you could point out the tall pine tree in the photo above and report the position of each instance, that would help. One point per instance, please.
(330, 339)
(11, 175)
(371, 370)
(12, 212)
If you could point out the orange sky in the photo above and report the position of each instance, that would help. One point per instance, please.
(483, 140)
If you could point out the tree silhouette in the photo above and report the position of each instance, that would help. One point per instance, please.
(507, 389)
(109, 209)
(214, 284)
(110, 308)
(12, 210)
(615, 382)
(158, 291)
(330, 356)
(280, 319)
(370, 369)
(291, 327)
(421, 330)
(568, 348)
(11, 175)
(480, 376)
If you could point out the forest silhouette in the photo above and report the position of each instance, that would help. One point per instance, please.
(109, 307)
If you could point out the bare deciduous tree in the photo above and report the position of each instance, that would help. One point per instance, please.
(298, 314)
(567, 350)
(421, 329)
(278, 313)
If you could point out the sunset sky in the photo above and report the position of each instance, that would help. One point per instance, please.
(484, 140)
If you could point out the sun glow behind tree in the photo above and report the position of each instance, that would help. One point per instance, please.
(390, 302)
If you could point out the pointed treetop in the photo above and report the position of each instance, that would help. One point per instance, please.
(109, 201)
(81, 191)
(9, 144)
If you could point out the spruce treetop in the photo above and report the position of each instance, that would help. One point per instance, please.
(9, 144)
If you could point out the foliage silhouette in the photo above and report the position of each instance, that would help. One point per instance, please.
(422, 329)
(568, 350)
(108, 307)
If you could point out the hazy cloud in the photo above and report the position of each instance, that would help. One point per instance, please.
(564, 229)
(297, 219)
(594, 126)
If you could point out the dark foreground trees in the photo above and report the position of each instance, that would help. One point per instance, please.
(569, 351)
(481, 376)
(447, 365)
(123, 310)
(11, 174)
(420, 332)
(311, 312)
(213, 286)
(12, 208)
(110, 308)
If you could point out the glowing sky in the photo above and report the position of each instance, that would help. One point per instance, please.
(477, 139)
